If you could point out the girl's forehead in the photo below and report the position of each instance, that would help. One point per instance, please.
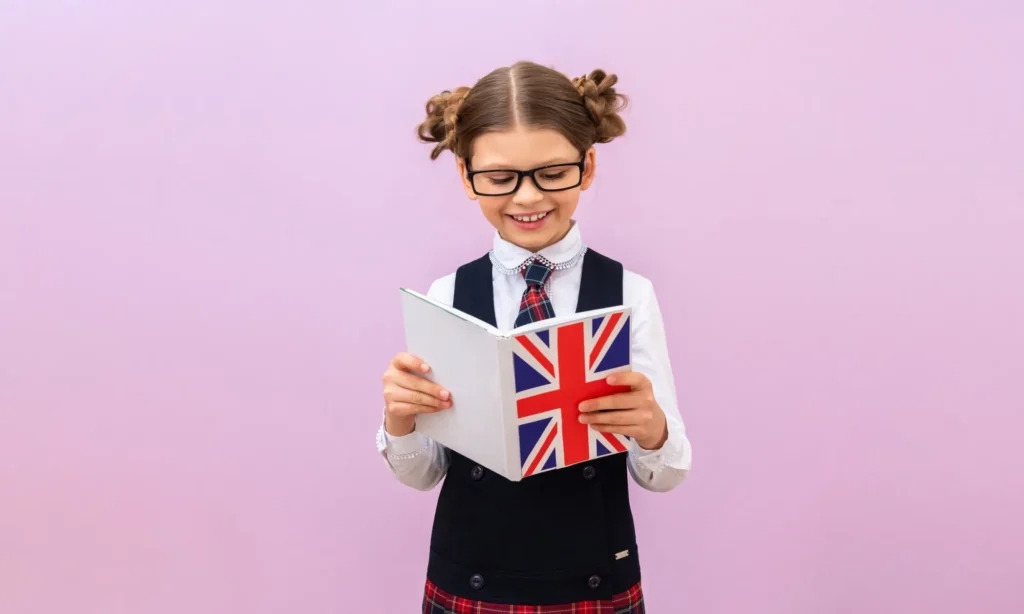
(522, 148)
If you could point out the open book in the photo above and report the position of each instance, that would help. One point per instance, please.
(516, 395)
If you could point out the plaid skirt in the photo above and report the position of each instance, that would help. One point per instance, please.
(436, 601)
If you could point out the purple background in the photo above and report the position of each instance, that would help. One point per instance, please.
(206, 207)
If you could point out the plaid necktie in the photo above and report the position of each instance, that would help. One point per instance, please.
(535, 305)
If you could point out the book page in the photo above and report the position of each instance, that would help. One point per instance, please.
(463, 358)
(453, 311)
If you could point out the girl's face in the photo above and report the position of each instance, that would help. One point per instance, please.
(530, 217)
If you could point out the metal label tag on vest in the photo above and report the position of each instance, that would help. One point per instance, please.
(621, 555)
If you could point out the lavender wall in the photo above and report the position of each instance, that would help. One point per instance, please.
(205, 208)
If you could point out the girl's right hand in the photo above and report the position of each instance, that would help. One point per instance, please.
(407, 393)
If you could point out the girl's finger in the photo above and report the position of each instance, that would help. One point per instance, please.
(623, 400)
(415, 397)
(408, 362)
(400, 408)
(623, 417)
(420, 384)
(633, 379)
(627, 430)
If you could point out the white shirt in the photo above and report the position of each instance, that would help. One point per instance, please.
(419, 462)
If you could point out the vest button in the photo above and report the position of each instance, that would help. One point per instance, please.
(594, 581)
(476, 472)
(589, 472)
(476, 581)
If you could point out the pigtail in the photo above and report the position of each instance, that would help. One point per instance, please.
(442, 118)
(603, 104)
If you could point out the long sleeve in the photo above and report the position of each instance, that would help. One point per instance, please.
(663, 469)
(419, 462)
(415, 459)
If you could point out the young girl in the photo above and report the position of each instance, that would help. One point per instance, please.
(560, 541)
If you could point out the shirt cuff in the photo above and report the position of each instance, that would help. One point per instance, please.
(398, 448)
(674, 452)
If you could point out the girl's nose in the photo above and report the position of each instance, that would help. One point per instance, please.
(527, 193)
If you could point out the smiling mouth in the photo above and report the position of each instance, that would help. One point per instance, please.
(532, 217)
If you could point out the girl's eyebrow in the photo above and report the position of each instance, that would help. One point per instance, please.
(557, 160)
(503, 166)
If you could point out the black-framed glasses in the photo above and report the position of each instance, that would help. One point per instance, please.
(550, 178)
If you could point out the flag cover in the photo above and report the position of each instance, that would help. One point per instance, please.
(557, 369)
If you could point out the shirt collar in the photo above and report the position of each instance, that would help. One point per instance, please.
(567, 253)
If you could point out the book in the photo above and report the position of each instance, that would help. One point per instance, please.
(516, 394)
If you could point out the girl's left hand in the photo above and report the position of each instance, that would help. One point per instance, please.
(635, 413)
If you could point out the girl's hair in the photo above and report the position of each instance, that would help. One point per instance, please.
(585, 109)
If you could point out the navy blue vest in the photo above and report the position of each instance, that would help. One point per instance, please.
(556, 537)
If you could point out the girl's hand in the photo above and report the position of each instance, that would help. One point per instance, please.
(635, 413)
(407, 393)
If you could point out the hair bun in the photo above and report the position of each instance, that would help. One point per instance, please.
(442, 117)
(603, 103)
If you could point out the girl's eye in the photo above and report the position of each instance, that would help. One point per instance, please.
(500, 179)
(554, 176)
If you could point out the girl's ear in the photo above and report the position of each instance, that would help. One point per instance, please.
(466, 185)
(590, 169)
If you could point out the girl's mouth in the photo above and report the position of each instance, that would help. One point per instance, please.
(529, 221)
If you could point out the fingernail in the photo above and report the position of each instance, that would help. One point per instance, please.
(424, 367)
(583, 419)
(444, 395)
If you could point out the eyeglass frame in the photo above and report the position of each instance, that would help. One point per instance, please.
(582, 165)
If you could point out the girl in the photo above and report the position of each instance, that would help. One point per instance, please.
(561, 541)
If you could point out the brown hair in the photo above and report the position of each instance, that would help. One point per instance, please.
(585, 109)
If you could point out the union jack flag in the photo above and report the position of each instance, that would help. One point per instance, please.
(556, 370)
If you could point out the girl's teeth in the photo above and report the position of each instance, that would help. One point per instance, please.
(530, 218)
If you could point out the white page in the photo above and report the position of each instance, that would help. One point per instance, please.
(463, 355)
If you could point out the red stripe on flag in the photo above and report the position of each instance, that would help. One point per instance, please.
(537, 354)
(614, 442)
(574, 389)
(543, 451)
(612, 321)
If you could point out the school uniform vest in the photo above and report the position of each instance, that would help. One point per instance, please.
(556, 537)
